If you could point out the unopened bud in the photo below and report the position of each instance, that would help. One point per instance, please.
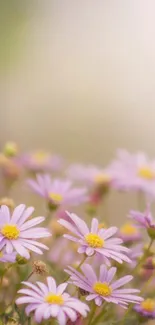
(151, 232)
(149, 264)
(8, 202)
(40, 267)
(10, 149)
(21, 260)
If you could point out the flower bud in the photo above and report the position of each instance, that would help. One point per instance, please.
(8, 202)
(40, 268)
(21, 260)
(151, 232)
(10, 149)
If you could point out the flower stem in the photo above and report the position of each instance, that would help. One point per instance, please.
(28, 277)
(92, 314)
(78, 267)
(98, 317)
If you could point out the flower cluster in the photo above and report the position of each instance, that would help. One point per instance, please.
(95, 271)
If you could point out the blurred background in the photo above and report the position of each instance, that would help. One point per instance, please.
(77, 77)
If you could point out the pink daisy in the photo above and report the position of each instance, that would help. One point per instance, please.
(91, 175)
(133, 172)
(146, 308)
(102, 288)
(40, 161)
(20, 235)
(48, 301)
(95, 240)
(57, 192)
(129, 233)
(144, 220)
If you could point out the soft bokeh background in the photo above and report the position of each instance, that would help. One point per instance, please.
(77, 77)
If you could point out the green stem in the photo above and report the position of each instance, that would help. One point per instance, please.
(92, 313)
(98, 317)
(29, 321)
(29, 276)
(78, 267)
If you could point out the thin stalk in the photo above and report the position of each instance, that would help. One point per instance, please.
(78, 267)
(92, 313)
(98, 317)
(29, 276)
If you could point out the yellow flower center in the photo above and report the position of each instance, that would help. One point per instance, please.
(1, 254)
(40, 156)
(146, 172)
(128, 229)
(102, 179)
(102, 289)
(148, 305)
(56, 197)
(10, 231)
(54, 299)
(93, 240)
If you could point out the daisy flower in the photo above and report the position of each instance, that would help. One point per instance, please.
(95, 240)
(146, 308)
(5, 258)
(102, 288)
(20, 235)
(48, 301)
(129, 233)
(40, 161)
(144, 220)
(91, 175)
(57, 192)
(133, 172)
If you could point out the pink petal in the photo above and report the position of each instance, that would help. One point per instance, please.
(27, 213)
(17, 213)
(80, 224)
(121, 282)
(31, 223)
(51, 284)
(6, 212)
